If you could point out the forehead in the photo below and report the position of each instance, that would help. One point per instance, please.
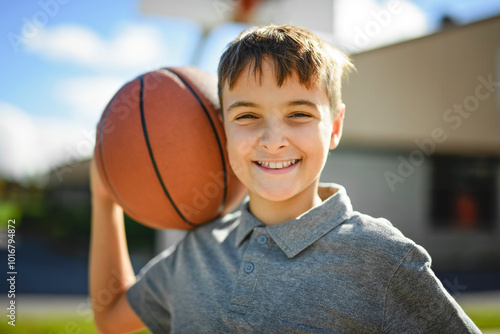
(261, 81)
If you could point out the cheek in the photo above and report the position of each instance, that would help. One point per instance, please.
(315, 139)
(239, 146)
(239, 142)
(326, 130)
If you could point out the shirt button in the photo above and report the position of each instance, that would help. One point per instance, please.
(249, 267)
(262, 239)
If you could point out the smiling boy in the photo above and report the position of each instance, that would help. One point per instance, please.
(280, 139)
(296, 258)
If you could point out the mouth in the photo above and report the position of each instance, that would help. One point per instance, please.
(277, 164)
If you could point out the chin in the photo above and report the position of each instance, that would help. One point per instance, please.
(276, 194)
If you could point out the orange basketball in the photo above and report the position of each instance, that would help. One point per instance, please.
(161, 150)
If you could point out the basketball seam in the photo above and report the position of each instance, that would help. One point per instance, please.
(151, 155)
(106, 176)
(221, 150)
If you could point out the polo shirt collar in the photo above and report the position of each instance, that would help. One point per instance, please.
(247, 223)
(297, 234)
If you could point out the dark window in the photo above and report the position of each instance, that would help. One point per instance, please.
(464, 192)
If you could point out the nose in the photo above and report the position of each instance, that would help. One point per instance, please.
(273, 138)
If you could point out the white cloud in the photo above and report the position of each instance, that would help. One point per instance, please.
(134, 47)
(31, 146)
(367, 24)
(86, 97)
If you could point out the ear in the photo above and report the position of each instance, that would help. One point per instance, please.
(338, 123)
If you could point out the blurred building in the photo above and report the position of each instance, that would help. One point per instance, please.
(421, 142)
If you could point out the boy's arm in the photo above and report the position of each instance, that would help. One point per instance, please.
(111, 272)
(417, 302)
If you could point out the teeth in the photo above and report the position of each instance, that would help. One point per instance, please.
(277, 165)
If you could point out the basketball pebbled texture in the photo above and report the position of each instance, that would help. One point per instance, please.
(161, 150)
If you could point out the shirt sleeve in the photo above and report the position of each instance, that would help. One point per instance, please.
(417, 302)
(148, 296)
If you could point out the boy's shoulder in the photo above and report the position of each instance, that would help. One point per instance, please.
(363, 227)
(373, 238)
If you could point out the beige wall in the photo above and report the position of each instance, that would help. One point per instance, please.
(403, 92)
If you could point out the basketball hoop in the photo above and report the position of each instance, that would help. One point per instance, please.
(245, 10)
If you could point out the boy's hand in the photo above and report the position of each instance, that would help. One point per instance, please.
(97, 187)
(109, 262)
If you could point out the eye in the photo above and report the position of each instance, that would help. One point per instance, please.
(299, 114)
(245, 116)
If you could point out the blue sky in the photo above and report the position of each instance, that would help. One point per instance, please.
(35, 72)
(62, 60)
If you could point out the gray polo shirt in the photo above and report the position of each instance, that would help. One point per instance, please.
(330, 270)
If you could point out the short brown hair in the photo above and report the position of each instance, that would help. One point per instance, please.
(292, 50)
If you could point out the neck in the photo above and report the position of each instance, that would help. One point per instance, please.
(277, 212)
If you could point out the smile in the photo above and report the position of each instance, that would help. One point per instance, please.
(278, 164)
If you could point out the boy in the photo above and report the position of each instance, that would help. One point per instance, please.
(296, 258)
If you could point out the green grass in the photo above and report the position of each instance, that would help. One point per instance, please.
(486, 318)
(9, 210)
(39, 324)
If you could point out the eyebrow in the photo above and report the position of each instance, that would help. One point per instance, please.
(241, 104)
(293, 103)
(308, 103)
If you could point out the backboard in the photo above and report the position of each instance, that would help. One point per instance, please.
(316, 15)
